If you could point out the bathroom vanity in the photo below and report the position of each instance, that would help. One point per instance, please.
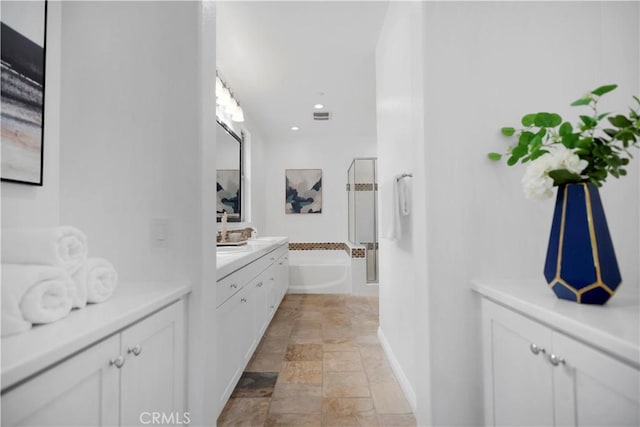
(252, 280)
(105, 364)
(554, 362)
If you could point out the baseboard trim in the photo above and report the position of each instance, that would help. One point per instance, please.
(405, 385)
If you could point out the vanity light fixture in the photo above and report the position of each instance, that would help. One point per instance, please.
(318, 106)
(226, 102)
(295, 128)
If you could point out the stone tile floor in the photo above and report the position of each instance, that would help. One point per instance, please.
(319, 364)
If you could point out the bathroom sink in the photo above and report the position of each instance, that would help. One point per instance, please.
(227, 250)
(264, 240)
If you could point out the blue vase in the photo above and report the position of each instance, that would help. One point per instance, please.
(581, 264)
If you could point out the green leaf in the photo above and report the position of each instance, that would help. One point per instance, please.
(570, 140)
(547, 120)
(603, 89)
(512, 160)
(625, 135)
(529, 119)
(494, 156)
(602, 116)
(585, 142)
(582, 101)
(565, 129)
(537, 153)
(525, 138)
(508, 131)
(611, 132)
(620, 121)
(563, 176)
(589, 122)
(520, 151)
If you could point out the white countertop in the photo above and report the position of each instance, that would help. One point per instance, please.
(230, 259)
(26, 354)
(613, 328)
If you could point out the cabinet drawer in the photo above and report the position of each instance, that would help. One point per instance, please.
(231, 284)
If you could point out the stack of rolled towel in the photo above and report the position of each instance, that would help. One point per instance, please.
(46, 273)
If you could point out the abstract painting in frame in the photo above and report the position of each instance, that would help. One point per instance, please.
(303, 194)
(228, 193)
(23, 34)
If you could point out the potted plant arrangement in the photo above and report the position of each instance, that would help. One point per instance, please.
(580, 265)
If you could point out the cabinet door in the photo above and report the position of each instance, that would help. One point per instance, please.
(235, 326)
(153, 375)
(593, 389)
(281, 279)
(261, 301)
(518, 383)
(81, 391)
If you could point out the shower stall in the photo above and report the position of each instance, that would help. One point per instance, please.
(362, 190)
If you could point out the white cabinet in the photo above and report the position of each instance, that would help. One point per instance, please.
(535, 375)
(248, 299)
(111, 382)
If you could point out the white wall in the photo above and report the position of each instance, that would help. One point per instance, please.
(255, 172)
(485, 65)
(333, 156)
(30, 206)
(401, 150)
(139, 143)
(128, 100)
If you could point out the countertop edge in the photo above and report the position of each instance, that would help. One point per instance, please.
(242, 259)
(566, 323)
(31, 352)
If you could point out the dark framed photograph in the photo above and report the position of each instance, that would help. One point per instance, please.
(23, 34)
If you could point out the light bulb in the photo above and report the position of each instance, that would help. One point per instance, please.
(237, 115)
(224, 99)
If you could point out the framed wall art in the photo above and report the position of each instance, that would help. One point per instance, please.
(23, 34)
(303, 191)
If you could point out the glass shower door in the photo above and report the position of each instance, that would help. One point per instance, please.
(362, 189)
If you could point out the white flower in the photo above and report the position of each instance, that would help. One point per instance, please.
(536, 182)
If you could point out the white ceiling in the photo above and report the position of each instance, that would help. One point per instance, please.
(278, 56)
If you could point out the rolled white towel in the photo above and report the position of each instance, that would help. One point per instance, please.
(98, 278)
(62, 246)
(33, 294)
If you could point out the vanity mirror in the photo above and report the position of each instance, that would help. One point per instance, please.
(229, 173)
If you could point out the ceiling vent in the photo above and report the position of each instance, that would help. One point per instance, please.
(321, 115)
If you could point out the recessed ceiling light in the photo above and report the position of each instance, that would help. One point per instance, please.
(318, 106)
(295, 128)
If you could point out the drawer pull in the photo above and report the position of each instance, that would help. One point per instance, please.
(556, 360)
(536, 349)
(136, 350)
(259, 285)
(243, 299)
(118, 362)
(234, 286)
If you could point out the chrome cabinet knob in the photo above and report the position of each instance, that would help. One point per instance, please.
(259, 285)
(234, 286)
(136, 350)
(243, 299)
(556, 360)
(118, 362)
(535, 349)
